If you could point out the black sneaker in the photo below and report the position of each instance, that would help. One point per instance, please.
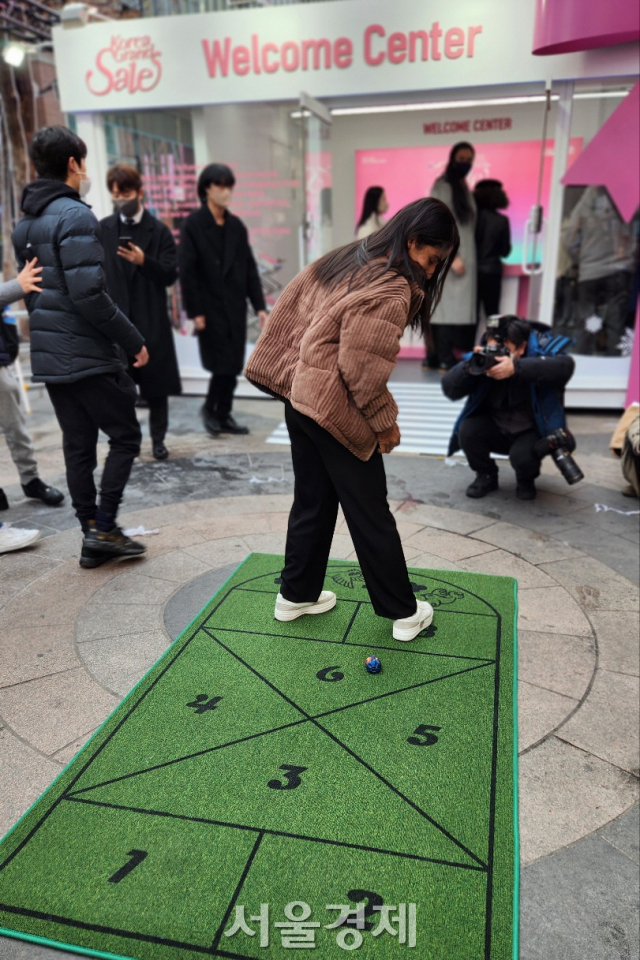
(115, 543)
(37, 490)
(4, 503)
(232, 426)
(211, 423)
(160, 452)
(483, 484)
(526, 490)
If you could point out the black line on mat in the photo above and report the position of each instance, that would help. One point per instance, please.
(98, 928)
(492, 800)
(351, 643)
(236, 892)
(481, 868)
(353, 754)
(353, 616)
(264, 733)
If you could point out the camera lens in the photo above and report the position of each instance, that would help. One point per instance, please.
(567, 465)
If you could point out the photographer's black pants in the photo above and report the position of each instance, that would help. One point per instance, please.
(480, 437)
(327, 474)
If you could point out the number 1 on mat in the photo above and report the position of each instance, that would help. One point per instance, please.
(137, 856)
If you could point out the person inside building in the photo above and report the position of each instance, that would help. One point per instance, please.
(217, 275)
(12, 419)
(374, 206)
(77, 338)
(514, 401)
(493, 243)
(140, 261)
(453, 324)
(327, 351)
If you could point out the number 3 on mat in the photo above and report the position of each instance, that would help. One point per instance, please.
(137, 856)
(291, 776)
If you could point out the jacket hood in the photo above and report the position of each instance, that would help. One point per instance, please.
(39, 194)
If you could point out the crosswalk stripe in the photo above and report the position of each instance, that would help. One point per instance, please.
(425, 417)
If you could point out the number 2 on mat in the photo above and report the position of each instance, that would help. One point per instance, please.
(370, 899)
(291, 776)
(137, 856)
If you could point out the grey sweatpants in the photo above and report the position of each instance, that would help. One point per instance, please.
(14, 426)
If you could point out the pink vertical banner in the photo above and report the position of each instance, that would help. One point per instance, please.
(633, 389)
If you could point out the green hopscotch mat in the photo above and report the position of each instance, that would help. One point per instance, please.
(259, 772)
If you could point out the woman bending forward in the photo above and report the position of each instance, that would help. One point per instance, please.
(327, 351)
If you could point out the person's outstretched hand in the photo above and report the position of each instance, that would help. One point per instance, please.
(389, 439)
(29, 277)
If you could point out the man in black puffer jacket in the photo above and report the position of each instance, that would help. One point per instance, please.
(76, 333)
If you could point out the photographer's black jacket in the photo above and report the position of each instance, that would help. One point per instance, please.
(76, 328)
(539, 379)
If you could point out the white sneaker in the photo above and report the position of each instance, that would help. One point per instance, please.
(15, 538)
(410, 627)
(286, 610)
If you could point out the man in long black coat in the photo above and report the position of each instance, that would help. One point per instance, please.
(139, 269)
(217, 275)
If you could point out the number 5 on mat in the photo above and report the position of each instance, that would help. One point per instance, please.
(137, 856)
(421, 731)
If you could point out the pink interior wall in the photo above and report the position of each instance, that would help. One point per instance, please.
(565, 26)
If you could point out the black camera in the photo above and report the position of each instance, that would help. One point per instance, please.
(483, 360)
(560, 445)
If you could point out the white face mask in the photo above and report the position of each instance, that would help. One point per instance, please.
(85, 186)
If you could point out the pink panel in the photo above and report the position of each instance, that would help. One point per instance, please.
(612, 158)
(633, 390)
(565, 26)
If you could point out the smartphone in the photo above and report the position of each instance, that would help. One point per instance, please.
(125, 241)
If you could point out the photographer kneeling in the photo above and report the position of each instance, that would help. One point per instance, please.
(514, 384)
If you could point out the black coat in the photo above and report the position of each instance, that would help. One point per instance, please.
(76, 328)
(219, 289)
(493, 240)
(141, 293)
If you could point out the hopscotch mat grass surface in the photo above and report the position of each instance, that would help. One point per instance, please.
(259, 778)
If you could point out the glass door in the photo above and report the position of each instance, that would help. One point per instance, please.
(315, 138)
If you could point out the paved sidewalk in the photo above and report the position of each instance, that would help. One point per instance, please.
(92, 634)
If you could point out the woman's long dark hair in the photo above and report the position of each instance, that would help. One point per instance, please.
(370, 204)
(427, 221)
(460, 194)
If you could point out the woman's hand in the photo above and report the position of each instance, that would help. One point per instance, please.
(29, 277)
(200, 322)
(389, 439)
(458, 266)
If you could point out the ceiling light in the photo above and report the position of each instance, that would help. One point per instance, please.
(14, 54)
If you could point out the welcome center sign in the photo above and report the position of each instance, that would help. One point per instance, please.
(331, 49)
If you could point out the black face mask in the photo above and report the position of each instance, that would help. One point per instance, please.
(461, 169)
(127, 208)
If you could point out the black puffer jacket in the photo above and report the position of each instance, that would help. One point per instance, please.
(76, 327)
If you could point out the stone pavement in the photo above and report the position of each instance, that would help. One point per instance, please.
(73, 642)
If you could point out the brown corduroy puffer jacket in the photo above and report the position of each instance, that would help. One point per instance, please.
(331, 352)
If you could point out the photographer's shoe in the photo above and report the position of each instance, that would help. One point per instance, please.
(99, 545)
(483, 484)
(526, 490)
(287, 610)
(409, 627)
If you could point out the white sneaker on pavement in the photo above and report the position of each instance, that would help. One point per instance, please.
(286, 610)
(410, 627)
(15, 538)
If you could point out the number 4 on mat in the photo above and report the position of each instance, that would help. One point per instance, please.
(137, 856)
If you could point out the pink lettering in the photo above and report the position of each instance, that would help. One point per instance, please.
(374, 30)
(103, 70)
(267, 66)
(454, 43)
(436, 33)
(131, 76)
(343, 53)
(414, 36)
(216, 57)
(290, 56)
(241, 61)
(397, 48)
(316, 46)
(473, 31)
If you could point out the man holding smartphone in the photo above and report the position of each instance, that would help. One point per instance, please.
(140, 263)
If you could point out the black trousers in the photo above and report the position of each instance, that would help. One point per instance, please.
(327, 474)
(158, 418)
(105, 402)
(450, 342)
(480, 437)
(489, 289)
(220, 395)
